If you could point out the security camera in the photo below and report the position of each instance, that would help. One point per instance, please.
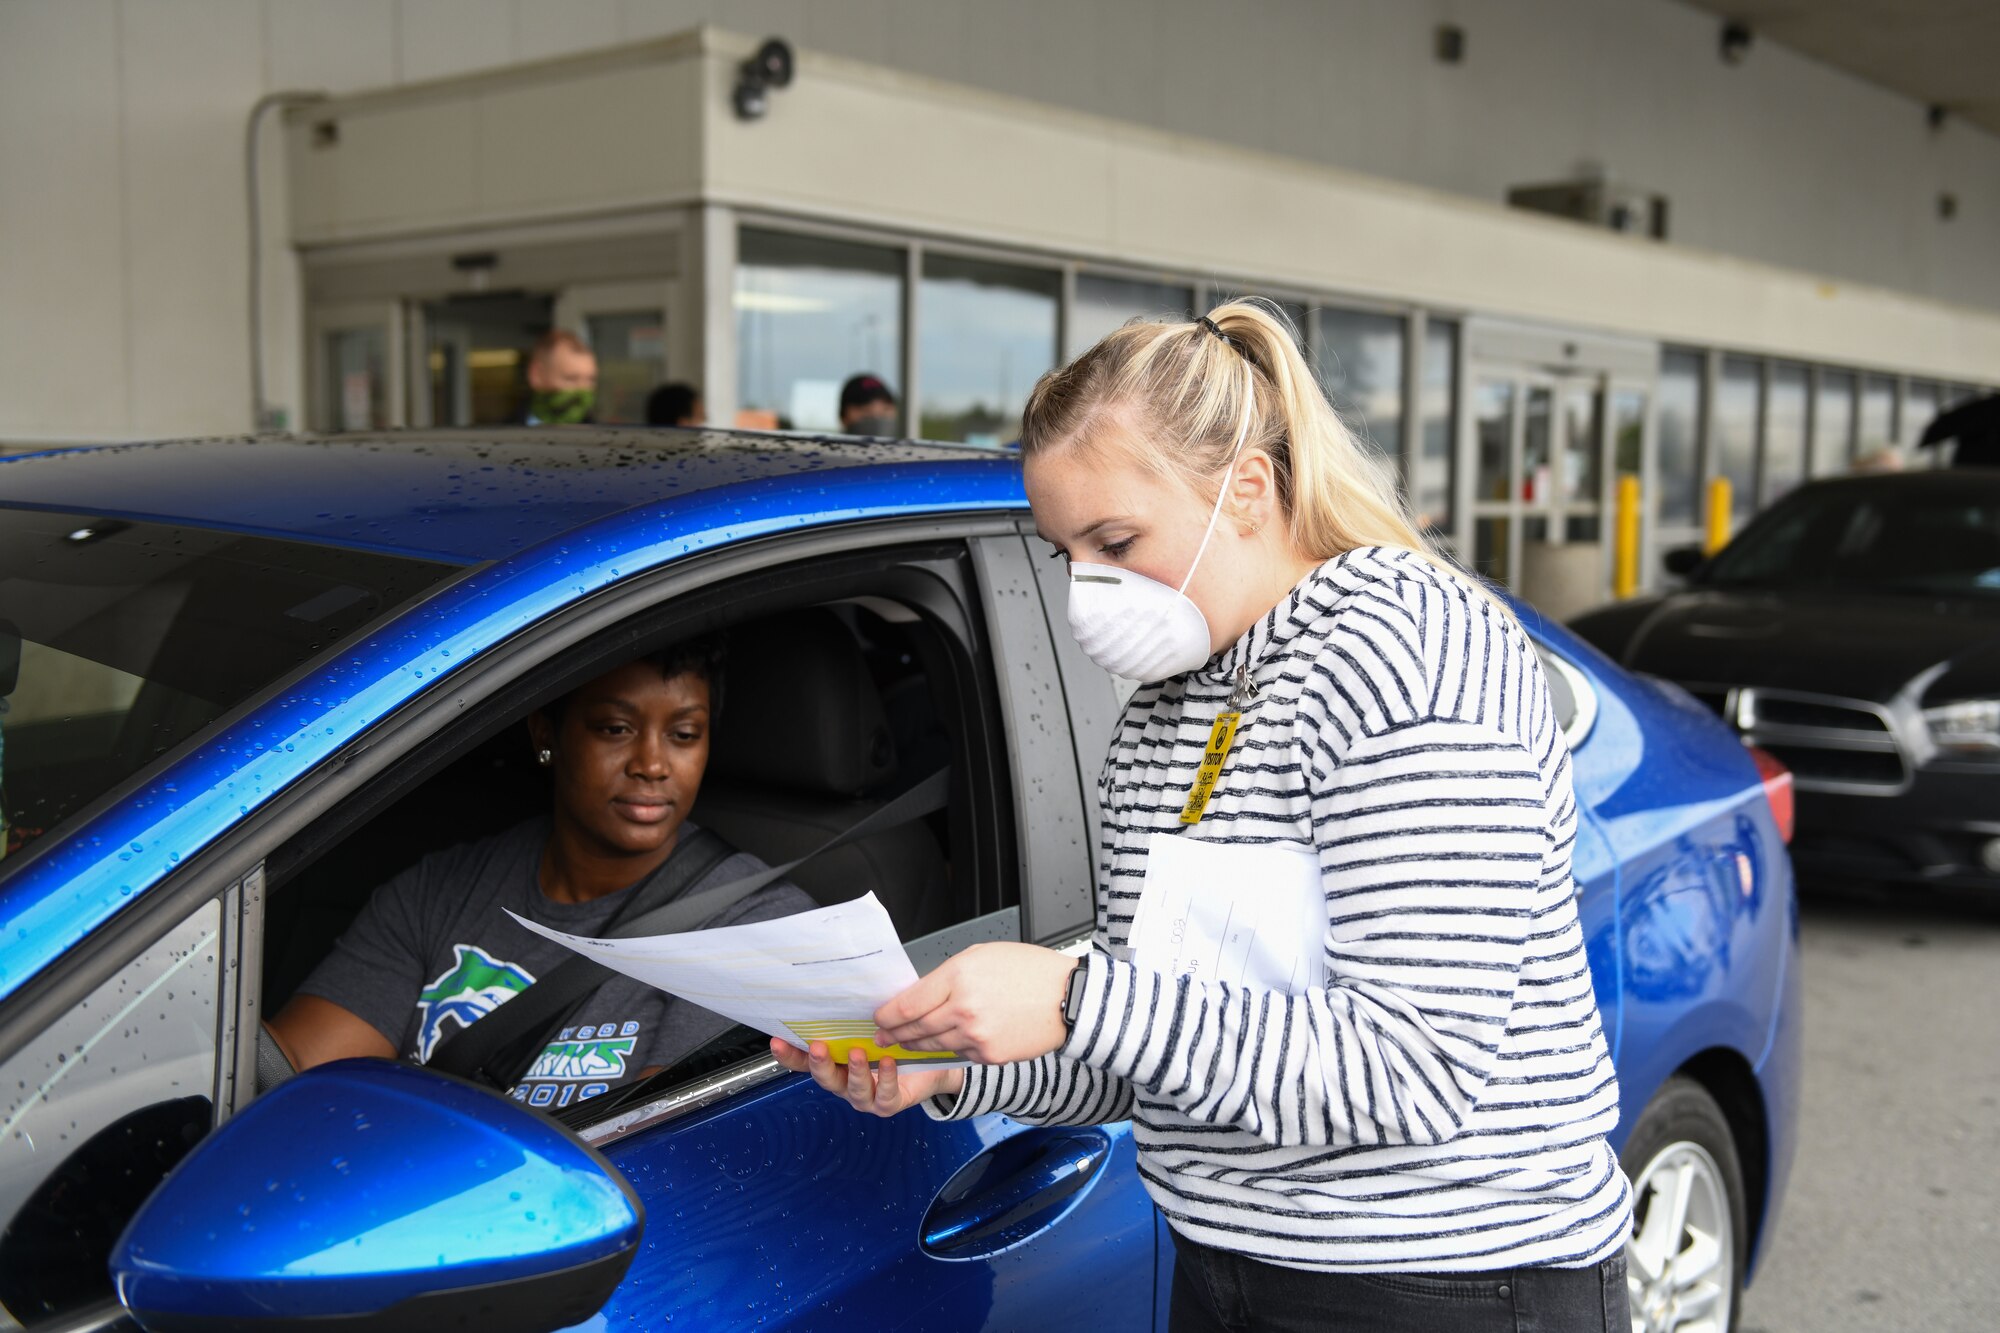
(770, 68)
(773, 62)
(1735, 42)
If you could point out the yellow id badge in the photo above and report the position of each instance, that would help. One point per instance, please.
(1211, 766)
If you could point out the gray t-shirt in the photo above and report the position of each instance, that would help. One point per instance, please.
(432, 953)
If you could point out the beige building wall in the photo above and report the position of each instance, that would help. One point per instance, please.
(123, 273)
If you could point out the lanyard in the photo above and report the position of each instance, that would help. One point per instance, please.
(1213, 756)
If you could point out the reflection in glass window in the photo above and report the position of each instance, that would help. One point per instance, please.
(1833, 423)
(1878, 411)
(1491, 558)
(988, 333)
(1432, 480)
(1920, 405)
(1360, 357)
(1103, 303)
(357, 390)
(1536, 428)
(1738, 394)
(810, 312)
(1680, 437)
(1628, 442)
(1493, 421)
(1785, 431)
(1580, 477)
(1628, 431)
(631, 349)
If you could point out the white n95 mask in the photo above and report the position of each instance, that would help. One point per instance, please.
(1137, 627)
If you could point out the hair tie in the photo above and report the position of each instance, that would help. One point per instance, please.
(1205, 322)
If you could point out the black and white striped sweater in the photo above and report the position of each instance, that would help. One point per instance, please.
(1442, 1103)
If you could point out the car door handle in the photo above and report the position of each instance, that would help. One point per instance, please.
(1014, 1189)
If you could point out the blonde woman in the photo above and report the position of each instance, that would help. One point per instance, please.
(1414, 1137)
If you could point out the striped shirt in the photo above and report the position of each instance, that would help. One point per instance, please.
(1442, 1103)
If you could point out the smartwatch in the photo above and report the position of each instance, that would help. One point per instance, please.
(1072, 1004)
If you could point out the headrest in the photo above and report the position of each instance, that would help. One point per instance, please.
(799, 709)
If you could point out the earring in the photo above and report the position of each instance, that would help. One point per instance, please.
(544, 757)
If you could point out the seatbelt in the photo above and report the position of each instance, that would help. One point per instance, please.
(500, 1046)
(493, 1046)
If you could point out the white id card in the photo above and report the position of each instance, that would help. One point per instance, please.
(1252, 916)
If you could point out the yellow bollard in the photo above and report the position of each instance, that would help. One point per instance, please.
(1625, 540)
(1718, 516)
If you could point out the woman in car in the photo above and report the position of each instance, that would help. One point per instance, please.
(1419, 1140)
(433, 951)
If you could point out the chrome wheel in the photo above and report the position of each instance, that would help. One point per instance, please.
(1680, 1257)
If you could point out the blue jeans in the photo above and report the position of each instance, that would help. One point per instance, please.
(1218, 1292)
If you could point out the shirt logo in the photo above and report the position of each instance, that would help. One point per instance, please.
(474, 986)
(582, 1059)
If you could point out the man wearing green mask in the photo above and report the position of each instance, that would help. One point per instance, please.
(562, 381)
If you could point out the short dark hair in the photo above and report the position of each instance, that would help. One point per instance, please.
(704, 656)
(671, 404)
(862, 390)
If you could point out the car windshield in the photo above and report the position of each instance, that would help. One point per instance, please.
(1888, 538)
(118, 640)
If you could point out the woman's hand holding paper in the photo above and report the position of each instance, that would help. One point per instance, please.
(881, 1090)
(992, 1004)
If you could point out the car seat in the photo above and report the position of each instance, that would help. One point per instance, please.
(803, 750)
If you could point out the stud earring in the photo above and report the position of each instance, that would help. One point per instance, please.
(544, 757)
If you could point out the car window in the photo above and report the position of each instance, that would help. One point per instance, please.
(1570, 693)
(1916, 539)
(94, 1111)
(827, 711)
(109, 635)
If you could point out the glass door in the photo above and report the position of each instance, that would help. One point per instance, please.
(625, 324)
(1543, 488)
(475, 361)
(355, 372)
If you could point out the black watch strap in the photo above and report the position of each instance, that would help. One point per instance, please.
(1072, 1005)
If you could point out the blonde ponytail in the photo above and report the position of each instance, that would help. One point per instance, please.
(1182, 384)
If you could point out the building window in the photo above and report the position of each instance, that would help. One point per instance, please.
(1920, 407)
(631, 349)
(1784, 431)
(1360, 355)
(1103, 303)
(1433, 479)
(987, 332)
(810, 312)
(357, 385)
(1833, 423)
(1878, 415)
(1738, 397)
(1680, 438)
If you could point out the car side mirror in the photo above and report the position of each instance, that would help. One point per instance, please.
(371, 1195)
(1683, 561)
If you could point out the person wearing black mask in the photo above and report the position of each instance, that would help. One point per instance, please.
(867, 407)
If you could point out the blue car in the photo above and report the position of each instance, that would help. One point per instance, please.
(246, 681)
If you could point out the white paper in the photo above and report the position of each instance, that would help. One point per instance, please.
(1252, 916)
(813, 976)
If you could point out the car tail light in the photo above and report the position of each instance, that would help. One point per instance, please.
(1777, 788)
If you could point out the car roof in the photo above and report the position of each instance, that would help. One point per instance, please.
(464, 496)
(1920, 481)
